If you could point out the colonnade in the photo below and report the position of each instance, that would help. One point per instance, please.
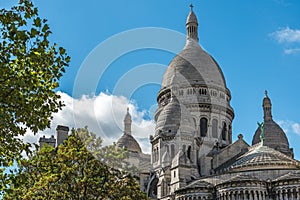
(243, 195)
(287, 194)
(194, 197)
(279, 194)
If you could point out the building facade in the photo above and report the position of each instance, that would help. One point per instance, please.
(193, 156)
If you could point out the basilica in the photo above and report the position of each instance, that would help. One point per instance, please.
(193, 155)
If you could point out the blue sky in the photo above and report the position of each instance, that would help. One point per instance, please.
(256, 43)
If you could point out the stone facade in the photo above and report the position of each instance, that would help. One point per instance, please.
(192, 153)
(61, 135)
(193, 156)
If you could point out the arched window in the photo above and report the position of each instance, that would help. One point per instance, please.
(203, 127)
(189, 152)
(215, 128)
(224, 131)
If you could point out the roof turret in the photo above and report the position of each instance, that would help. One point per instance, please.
(192, 25)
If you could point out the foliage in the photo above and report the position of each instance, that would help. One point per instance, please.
(30, 68)
(72, 172)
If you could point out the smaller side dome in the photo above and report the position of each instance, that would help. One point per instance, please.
(174, 117)
(127, 141)
(274, 136)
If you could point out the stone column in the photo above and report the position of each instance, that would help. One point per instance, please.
(250, 195)
(281, 195)
(263, 197)
(231, 196)
(238, 197)
(285, 195)
(255, 195)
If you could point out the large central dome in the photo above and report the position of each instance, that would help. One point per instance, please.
(195, 67)
(197, 82)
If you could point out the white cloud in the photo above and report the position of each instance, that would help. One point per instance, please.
(104, 115)
(292, 51)
(289, 126)
(296, 128)
(287, 35)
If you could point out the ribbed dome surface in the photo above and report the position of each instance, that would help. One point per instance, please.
(127, 141)
(194, 66)
(263, 156)
(173, 116)
(274, 137)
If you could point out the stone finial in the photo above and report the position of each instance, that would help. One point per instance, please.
(240, 136)
(191, 6)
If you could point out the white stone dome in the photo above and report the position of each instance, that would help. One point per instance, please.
(193, 65)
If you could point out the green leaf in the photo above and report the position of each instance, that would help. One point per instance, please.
(37, 22)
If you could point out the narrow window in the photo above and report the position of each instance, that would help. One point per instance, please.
(189, 152)
(203, 127)
(224, 131)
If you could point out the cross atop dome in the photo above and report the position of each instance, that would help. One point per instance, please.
(191, 6)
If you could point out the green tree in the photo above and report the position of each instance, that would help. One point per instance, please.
(109, 155)
(72, 172)
(30, 68)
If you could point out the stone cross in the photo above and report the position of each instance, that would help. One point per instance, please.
(191, 6)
